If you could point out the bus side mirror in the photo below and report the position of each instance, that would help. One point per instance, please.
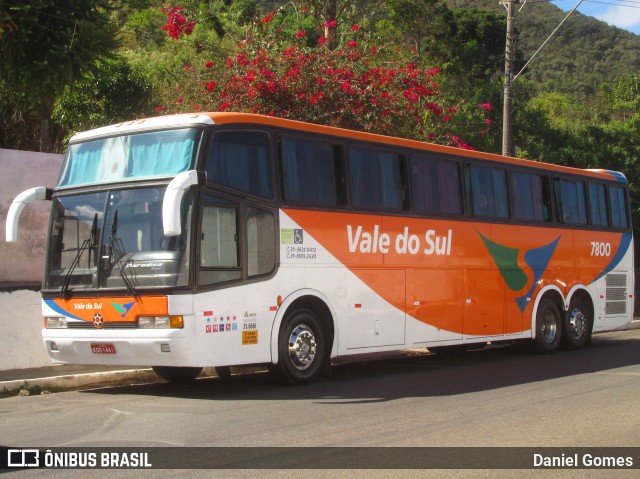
(173, 199)
(20, 201)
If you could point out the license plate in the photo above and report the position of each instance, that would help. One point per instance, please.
(103, 349)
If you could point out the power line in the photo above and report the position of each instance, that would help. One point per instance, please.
(637, 4)
(548, 38)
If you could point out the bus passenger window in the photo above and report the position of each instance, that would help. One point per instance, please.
(618, 207)
(261, 243)
(487, 192)
(376, 179)
(571, 202)
(436, 186)
(598, 204)
(312, 172)
(219, 257)
(532, 198)
(241, 160)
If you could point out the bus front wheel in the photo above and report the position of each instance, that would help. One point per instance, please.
(548, 327)
(301, 348)
(177, 375)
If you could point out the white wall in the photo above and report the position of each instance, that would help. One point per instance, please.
(21, 343)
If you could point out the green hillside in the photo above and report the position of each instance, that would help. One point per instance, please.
(583, 54)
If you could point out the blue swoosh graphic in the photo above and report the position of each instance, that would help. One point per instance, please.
(59, 310)
(537, 259)
(623, 246)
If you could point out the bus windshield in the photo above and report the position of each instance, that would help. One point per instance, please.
(114, 239)
(127, 157)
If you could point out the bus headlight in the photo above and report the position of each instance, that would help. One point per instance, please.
(160, 322)
(55, 322)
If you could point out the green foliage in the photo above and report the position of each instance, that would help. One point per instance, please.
(427, 24)
(581, 56)
(111, 94)
(54, 44)
(143, 29)
(623, 98)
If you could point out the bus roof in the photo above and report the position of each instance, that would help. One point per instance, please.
(143, 124)
(223, 118)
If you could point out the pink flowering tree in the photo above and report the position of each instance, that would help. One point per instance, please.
(283, 67)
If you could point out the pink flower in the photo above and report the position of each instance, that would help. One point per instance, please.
(322, 41)
(486, 106)
(352, 43)
(487, 121)
(209, 64)
(159, 108)
(301, 34)
(355, 28)
(329, 24)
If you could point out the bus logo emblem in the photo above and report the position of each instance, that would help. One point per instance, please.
(98, 322)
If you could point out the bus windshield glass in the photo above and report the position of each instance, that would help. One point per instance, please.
(128, 157)
(114, 239)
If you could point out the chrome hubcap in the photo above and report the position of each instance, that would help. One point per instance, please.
(302, 347)
(577, 323)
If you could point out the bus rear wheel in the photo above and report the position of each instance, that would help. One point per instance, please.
(177, 375)
(577, 325)
(548, 328)
(301, 348)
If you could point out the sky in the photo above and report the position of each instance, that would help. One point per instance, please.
(620, 13)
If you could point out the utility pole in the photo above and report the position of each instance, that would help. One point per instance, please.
(509, 56)
(509, 77)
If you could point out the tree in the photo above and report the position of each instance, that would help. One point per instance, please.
(51, 44)
(111, 94)
(276, 70)
(427, 24)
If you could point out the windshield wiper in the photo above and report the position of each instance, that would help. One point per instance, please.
(117, 250)
(87, 244)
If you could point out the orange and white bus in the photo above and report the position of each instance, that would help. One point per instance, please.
(224, 239)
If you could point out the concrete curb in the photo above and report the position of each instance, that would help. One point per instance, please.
(77, 381)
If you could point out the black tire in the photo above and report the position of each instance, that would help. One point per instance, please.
(577, 325)
(548, 328)
(223, 372)
(301, 348)
(456, 348)
(176, 375)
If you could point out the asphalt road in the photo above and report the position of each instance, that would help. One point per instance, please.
(491, 398)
